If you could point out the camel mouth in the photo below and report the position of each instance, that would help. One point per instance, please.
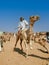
(38, 18)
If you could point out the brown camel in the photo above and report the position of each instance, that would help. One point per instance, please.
(30, 32)
(27, 35)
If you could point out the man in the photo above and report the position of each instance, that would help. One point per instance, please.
(22, 28)
(23, 24)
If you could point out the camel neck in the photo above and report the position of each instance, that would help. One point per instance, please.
(31, 26)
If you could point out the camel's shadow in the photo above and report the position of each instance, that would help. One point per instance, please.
(43, 51)
(19, 51)
(33, 55)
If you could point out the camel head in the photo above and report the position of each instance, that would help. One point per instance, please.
(34, 19)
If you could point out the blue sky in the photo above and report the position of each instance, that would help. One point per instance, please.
(12, 10)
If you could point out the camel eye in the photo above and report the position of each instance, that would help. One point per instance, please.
(31, 17)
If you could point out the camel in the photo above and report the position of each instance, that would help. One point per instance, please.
(30, 32)
(27, 35)
(41, 39)
(6, 36)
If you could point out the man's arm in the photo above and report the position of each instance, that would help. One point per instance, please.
(18, 27)
(26, 22)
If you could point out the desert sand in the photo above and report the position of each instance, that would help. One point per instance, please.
(37, 56)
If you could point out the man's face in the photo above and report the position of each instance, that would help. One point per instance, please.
(21, 20)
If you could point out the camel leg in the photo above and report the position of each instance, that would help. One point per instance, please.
(0, 46)
(31, 44)
(26, 50)
(16, 41)
(21, 44)
(44, 45)
(46, 48)
(26, 47)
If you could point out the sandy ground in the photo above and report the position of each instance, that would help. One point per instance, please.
(11, 57)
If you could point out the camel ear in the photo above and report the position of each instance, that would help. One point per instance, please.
(31, 17)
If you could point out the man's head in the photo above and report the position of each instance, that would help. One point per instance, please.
(21, 18)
